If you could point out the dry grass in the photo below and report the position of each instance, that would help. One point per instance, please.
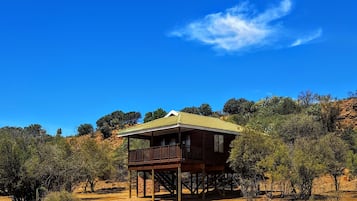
(116, 191)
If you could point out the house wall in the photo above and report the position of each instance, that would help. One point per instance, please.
(202, 142)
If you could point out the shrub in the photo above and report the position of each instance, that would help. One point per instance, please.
(61, 196)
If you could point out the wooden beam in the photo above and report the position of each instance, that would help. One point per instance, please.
(179, 184)
(128, 144)
(129, 183)
(157, 167)
(152, 139)
(137, 184)
(153, 185)
(179, 137)
(203, 184)
(144, 184)
(197, 184)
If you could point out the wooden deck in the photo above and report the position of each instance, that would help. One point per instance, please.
(163, 155)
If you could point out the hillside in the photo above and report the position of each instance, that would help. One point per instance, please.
(347, 117)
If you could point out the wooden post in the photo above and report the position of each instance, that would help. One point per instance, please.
(225, 178)
(173, 181)
(152, 139)
(179, 183)
(191, 180)
(137, 184)
(153, 184)
(144, 184)
(203, 184)
(129, 182)
(231, 182)
(197, 186)
(179, 137)
(215, 181)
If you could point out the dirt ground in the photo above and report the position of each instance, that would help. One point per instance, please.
(116, 191)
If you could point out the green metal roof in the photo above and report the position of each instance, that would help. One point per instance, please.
(184, 120)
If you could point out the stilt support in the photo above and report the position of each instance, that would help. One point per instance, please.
(137, 184)
(129, 183)
(153, 185)
(179, 184)
(203, 184)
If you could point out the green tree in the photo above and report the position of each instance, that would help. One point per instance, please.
(278, 163)
(299, 126)
(329, 110)
(277, 105)
(85, 129)
(192, 110)
(59, 132)
(15, 151)
(334, 155)
(238, 106)
(248, 152)
(205, 109)
(116, 120)
(307, 164)
(34, 130)
(54, 164)
(96, 161)
(352, 162)
(159, 113)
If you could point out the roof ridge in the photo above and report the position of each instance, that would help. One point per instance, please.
(179, 118)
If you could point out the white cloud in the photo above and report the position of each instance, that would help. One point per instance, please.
(308, 38)
(240, 28)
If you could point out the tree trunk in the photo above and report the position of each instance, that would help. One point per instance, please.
(337, 183)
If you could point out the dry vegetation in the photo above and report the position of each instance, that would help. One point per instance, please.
(116, 191)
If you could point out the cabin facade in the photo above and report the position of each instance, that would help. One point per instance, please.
(181, 143)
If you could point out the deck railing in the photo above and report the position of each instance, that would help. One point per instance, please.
(163, 154)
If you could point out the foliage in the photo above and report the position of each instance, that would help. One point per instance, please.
(116, 120)
(59, 132)
(329, 111)
(61, 196)
(238, 106)
(277, 105)
(85, 129)
(278, 163)
(306, 98)
(30, 163)
(34, 129)
(159, 113)
(192, 110)
(247, 154)
(307, 164)
(299, 126)
(54, 164)
(334, 155)
(205, 110)
(351, 162)
(96, 161)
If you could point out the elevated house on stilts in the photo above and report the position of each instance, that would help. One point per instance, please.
(186, 151)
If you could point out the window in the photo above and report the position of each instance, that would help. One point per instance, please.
(172, 141)
(218, 143)
(188, 143)
(163, 143)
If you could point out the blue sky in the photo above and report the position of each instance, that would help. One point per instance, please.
(64, 63)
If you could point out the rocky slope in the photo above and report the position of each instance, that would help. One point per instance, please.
(347, 117)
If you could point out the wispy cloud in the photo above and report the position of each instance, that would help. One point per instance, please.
(308, 38)
(243, 28)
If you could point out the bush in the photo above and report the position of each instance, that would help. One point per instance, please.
(61, 196)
